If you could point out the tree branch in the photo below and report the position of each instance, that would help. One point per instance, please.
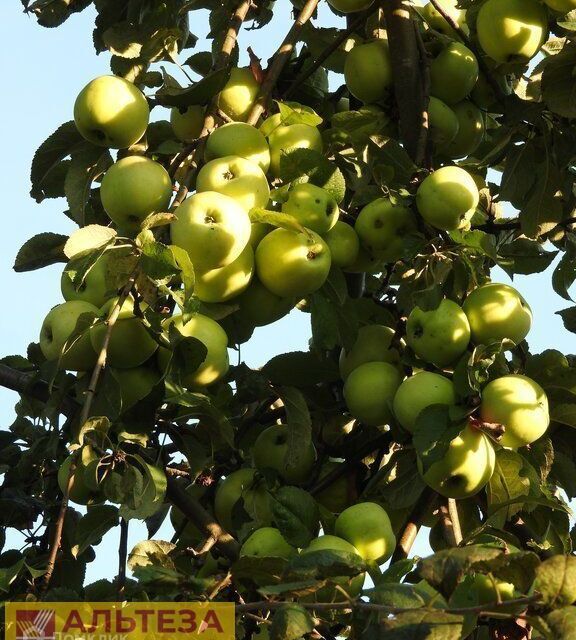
(423, 506)
(122, 556)
(450, 522)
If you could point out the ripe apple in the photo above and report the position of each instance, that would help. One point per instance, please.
(291, 264)
(267, 542)
(518, 403)
(437, 22)
(373, 344)
(187, 123)
(135, 384)
(239, 93)
(496, 311)
(219, 285)
(466, 467)
(257, 231)
(94, 289)
(238, 139)
(111, 112)
(286, 138)
(447, 198)
(342, 492)
(350, 6)
(344, 244)
(312, 206)
(235, 177)
(562, 6)
(368, 71)
(512, 30)
(489, 590)
(212, 228)
(242, 484)
(214, 338)
(470, 131)
(369, 391)
(419, 391)
(64, 335)
(366, 525)
(453, 73)
(132, 189)
(259, 306)
(442, 121)
(382, 228)
(79, 492)
(439, 336)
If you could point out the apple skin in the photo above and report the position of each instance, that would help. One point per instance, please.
(366, 525)
(79, 492)
(132, 189)
(292, 265)
(187, 124)
(267, 542)
(135, 384)
(442, 121)
(490, 590)
(439, 336)
(312, 206)
(336, 497)
(259, 306)
(447, 198)
(286, 138)
(512, 30)
(239, 94)
(366, 263)
(238, 139)
(350, 6)
(382, 228)
(372, 345)
(496, 311)
(344, 244)
(368, 71)
(369, 391)
(520, 404)
(437, 22)
(453, 73)
(214, 338)
(562, 6)
(111, 112)
(212, 228)
(466, 467)
(59, 325)
(470, 134)
(233, 176)
(219, 285)
(94, 288)
(419, 391)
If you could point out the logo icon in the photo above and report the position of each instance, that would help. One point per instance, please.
(36, 625)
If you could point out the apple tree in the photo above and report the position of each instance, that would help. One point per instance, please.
(380, 204)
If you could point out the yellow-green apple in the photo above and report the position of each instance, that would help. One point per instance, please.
(368, 71)
(453, 73)
(518, 403)
(382, 227)
(130, 344)
(267, 542)
(442, 122)
(438, 336)
(111, 112)
(344, 244)
(238, 139)
(64, 335)
(239, 93)
(336, 60)
(350, 6)
(79, 492)
(135, 384)
(366, 525)
(287, 138)
(94, 289)
(257, 231)
(212, 228)
(373, 344)
(512, 30)
(219, 285)
(132, 189)
(497, 311)
(489, 590)
(437, 21)
(447, 198)
(312, 206)
(242, 485)
(340, 493)
(466, 467)
(562, 6)
(259, 306)
(369, 391)
(233, 176)
(292, 264)
(187, 123)
(213, 337)
(419, 391)
(470, 131)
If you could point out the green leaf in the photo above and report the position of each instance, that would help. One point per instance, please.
(40, 251)
(151, 552)
(404, 596)
(88, 239)
(565, 274)
(524, 256)
(325, 564)
(299, 423)
(282, 220)
(200, 62)
(9, 574)
(562, 623)
(98, 520)
(259, 569)
(53, 13)
(300, 369)
(388, 152)
(518, 568)
(152, 492)
(568, 318)
(508, 482)
(295, 513)
(422, 625)
(291, 622)
(200, 92)
(433, 432)
(556, 581)
(558, 86)
(158, 262)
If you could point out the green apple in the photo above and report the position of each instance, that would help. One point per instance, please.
(562, 6)
(366, 525)
(453, 73)
(442, 122)
(259, 306)
(239, 94)
(267, 542)
(111, 112)
(213, 337)
(437, 21)
(369, 391)
(238, 139)
(439, 336)
(447, 198)
(135, 384)
(350, 6)
(340, 493)
(219, 285)
(366, 263)
(368, 71)
(79, 492)
(419, 391)
(382, 228)
(133, 188)
(64, 335)
(242, 485)
(470, 131)
(344, 244)
(271, 450)
(512, 30)
(187, 123)
(235, 177)
(287, 138)
(312, 206)
(257, 231)
(94, 289)
(489, 590)
(212, 228)
(336, 60)
(130, 344)
(373, 344)
(518, 403)
(497, 311)
(292, 264)
(466, 468)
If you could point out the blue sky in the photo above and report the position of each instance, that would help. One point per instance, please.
(44, 70)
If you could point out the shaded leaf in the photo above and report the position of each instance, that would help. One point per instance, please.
(40, 251)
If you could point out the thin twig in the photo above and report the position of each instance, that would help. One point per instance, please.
(455, 519)
(225, 582)
(122, 557)
(423, 506)
(451, 529)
